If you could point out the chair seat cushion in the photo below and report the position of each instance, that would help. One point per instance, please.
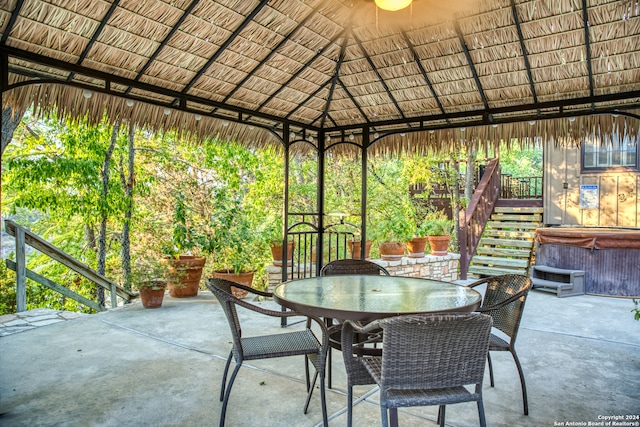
(280, 345)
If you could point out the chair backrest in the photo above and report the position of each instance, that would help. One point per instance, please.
(506, 317)
(352, 266)
(221, 289)
(434, 351)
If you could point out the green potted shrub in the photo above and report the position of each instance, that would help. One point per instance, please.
(235, 251)
(274, 239)
(439, 228)
(148, 278)
(183, 267)
(391, 224)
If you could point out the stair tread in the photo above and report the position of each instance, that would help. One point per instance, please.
(499, 261)
(506, 252)
(555, 270)
(493, 271)
(516, 225)
(550, 283)
(506, 242)
(510, 233)
(519, 209)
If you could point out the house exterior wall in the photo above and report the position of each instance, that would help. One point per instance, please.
(617, 202)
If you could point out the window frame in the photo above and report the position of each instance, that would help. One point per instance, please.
(609, 153)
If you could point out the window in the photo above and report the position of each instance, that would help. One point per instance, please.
(616, 153)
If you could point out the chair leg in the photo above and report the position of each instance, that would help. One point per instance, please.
(441, 414)
(483, 422)
(490, 369)
(223, 413)
(393, 417)
(349, 405)
(323, 402)
(310, 392)
(384, 414)
(329, 359)
(224, 375)
(522, 383)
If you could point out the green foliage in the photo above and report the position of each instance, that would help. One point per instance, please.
(436, 224)
(521, 161)
(7, 290)
(636, 309)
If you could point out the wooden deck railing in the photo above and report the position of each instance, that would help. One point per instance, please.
(24, 237)
(477, 214)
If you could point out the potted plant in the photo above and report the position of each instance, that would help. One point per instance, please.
(147, 277)
(183, 269)
(152, 293)
(355, 246)
(391, 224)
(439, 228)
(274, 238)
(234, 250)
(391, 233)
(417, 245)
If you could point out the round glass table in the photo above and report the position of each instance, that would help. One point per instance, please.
(366, 298)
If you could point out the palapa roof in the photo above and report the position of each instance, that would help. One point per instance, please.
(433, 74)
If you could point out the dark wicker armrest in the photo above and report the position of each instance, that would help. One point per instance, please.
(253, 291)
(349, 328)
(503, 303)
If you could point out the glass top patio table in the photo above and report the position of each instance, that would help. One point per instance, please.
(366, 298)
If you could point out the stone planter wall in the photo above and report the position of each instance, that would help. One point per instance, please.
(443, 268)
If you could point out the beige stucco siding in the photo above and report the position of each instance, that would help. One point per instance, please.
(618, 203)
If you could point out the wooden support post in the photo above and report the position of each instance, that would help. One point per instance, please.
(21, 271)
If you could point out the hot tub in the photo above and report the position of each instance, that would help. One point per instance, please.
(610, 257)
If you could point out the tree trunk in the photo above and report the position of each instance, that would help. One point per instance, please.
(10, 121)
(102, 238)
(127, 183)
(471, 169)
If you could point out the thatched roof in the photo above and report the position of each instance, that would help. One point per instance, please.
(470, 70)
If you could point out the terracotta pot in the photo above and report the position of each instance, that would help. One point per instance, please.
(391, 251)
(415, 247)
(276, 252)
(354, 249)
(183, 275)
(244, 278)
(152, 294)
(439, 245)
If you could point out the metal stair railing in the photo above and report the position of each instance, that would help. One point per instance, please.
(25, 237)
(478, 212)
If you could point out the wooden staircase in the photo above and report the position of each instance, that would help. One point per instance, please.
(507, 243)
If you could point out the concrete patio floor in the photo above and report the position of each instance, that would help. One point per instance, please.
(137, 367)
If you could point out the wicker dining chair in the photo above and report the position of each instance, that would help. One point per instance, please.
(296, 343)
(352, 266)
(504, 301)
(427, 359)
(341, 267)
